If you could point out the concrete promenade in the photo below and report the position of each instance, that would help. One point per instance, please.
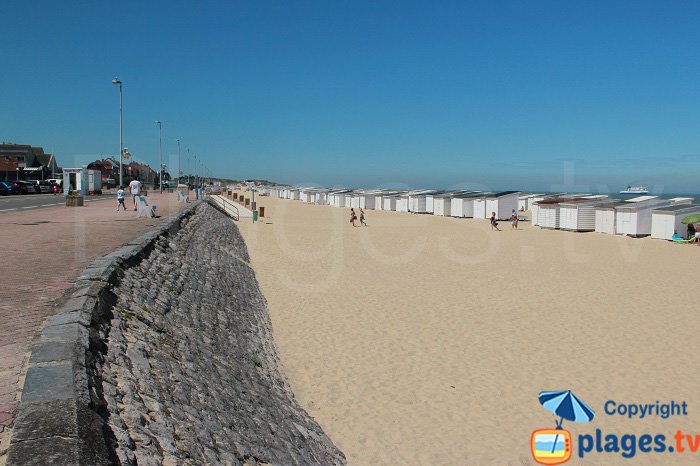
(43, 252)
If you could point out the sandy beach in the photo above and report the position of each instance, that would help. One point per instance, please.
(426, 340)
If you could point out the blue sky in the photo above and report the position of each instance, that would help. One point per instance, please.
(500, 94)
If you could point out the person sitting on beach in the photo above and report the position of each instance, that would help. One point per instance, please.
(514, 220)
(353, 217)
(362, 218)
(494, 223)
(696, 238)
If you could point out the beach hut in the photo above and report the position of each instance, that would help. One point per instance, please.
(547, 213)
(503, 203)
(634, 217)
(339, 198)
(479, 207)
(525, 200)
(579, 215)
(681, 200)
(462, 205)
(368, 199)
(321, 196)
(665, 221)
(307, 195)
(441, 204)
(418, 201)
(605, 217)
(294, 194)
(389, 202)
(402, 202)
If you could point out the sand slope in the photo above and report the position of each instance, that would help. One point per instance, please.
(426, 340)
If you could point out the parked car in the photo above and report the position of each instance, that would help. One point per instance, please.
(45, 187)
(12, 187)
(26, 187)
(4, 191)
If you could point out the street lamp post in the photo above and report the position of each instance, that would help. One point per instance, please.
(160, 155)
(116, 81)
(178, 162)
(188, 168)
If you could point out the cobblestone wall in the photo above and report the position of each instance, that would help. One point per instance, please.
(190, 374)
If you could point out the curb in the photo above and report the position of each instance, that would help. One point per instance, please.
(59, 420)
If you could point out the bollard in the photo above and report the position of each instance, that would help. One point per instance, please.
(262, 211)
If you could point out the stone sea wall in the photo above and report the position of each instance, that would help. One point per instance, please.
(172, 363)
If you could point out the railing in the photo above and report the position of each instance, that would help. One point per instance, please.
(234, 210)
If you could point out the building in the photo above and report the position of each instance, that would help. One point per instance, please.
(24, 162)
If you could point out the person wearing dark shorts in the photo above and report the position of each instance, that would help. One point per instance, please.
(494, 223)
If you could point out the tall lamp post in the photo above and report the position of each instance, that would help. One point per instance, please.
(179, 173)
(117, 81)
(188, 168)
(160, 155)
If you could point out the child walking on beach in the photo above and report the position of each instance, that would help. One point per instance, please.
(494, 224)
(362, 218)
(514, 220)
(120, 198)
(353, 217)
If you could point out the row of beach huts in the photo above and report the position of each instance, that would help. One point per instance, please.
(639, 216)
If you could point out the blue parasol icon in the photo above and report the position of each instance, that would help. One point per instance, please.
(567, 406)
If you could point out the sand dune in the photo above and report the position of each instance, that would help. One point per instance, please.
(426, 340)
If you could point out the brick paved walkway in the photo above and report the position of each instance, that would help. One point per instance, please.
(42, 252)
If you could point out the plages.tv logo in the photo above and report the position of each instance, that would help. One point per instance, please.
(553, 446)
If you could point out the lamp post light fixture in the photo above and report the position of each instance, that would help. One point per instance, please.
(117, 81)
(160, 155)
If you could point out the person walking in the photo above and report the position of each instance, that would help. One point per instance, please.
(120, 198)
(514, 220)
(494, 223)
(362, 218)
(353, 217)
(55, 188)
(135, 188)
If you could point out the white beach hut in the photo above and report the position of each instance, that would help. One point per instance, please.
(634, 217)
(368, 199)
(547, 213)
(525, 200)
(402, 202)
(321, 196)
(418, 201)
(580, 215)
(430, 201)
(479, 206)
(462, 205)
(605, 217)
(665, 221)
(442, 204)
(307, 195)
(389, 201)
(503, 203)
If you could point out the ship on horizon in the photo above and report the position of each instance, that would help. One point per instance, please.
(635, 190)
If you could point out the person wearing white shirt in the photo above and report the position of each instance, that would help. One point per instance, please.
(120, 198)
(135, 187)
